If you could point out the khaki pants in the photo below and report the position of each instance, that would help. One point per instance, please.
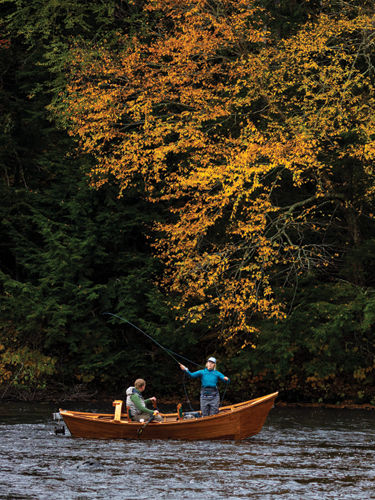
(145, 417)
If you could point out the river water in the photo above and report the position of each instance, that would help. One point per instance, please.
(301, 453)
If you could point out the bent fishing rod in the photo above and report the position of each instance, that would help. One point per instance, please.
(168, 351)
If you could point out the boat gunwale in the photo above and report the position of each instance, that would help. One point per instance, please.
(225, 411)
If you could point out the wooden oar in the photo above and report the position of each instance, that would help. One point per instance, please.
(139, 431)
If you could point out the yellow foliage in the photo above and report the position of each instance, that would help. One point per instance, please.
(234, 114)
(24, 366)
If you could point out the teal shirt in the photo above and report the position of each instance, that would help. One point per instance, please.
(209, 378)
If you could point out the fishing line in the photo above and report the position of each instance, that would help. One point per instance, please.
(186, 394)
(225, 390)
(168, 351)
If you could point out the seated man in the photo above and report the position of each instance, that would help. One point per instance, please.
(137, 405)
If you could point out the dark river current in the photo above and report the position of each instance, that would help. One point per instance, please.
(301, 453)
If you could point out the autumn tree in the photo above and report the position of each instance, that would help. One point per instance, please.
(262, 147)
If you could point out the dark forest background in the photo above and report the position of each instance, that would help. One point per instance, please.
(70, 252)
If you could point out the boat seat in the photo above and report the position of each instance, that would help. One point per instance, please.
(118, 409)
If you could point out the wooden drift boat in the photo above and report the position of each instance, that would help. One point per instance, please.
(238, 421)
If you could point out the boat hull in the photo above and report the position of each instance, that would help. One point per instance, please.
(232, 422)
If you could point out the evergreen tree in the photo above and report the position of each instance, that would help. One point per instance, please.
(68, 252)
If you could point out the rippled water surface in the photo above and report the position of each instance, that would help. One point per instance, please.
(301, 453)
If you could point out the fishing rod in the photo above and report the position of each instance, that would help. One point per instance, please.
(168, 351)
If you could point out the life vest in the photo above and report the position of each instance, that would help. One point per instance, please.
(129, 403)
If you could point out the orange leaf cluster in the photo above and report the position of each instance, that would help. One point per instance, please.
(216, 118)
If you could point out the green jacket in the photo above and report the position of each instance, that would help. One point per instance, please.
(136, 402)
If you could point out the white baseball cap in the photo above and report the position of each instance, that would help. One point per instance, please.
(212, 359)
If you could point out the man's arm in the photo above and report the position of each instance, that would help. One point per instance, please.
(138, 403)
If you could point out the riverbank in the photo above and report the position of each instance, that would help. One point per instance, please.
(81, 394)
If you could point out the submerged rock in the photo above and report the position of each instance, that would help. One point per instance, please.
(90, 464)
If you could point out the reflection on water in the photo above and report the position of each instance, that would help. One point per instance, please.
(301, 453)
